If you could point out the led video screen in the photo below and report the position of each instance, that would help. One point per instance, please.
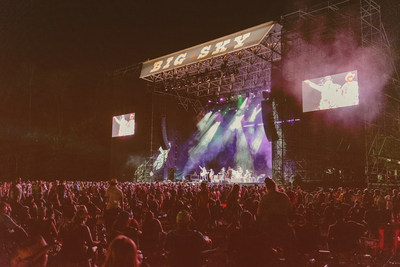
(123, 125)
(329, 92)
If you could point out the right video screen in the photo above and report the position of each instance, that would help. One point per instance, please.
(329, 92)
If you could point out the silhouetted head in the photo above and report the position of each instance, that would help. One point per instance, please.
(122, 252)
(270, 184)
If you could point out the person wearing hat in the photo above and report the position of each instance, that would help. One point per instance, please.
(349, 91)
(185, 246)
(130, 127)
(114, 202)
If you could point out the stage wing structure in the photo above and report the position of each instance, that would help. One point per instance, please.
(235, 64)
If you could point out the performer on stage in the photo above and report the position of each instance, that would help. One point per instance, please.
(247, 176)
(229, 173)
(239, 174)
(222, 174)
(211, 175)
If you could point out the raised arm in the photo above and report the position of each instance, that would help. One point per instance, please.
(117, 120)
(313, 85)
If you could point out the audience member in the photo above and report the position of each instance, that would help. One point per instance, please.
(114, 203)
(185, 246)
(273, 215)
(247, 246)
(122, 252)
(80, 214)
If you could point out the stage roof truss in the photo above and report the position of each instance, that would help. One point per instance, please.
(238, 72)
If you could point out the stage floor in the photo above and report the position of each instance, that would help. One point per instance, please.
(227, 182)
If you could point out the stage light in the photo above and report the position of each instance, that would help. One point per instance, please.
(243, 156)
(209, 101)
(257, 140)
(242, 104)
(229, 127)
(240, 101)
(254, 114)
(237, 122)
(205, 121)
(205, 139)
(248, 125)
(239, 115)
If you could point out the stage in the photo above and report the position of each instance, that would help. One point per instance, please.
(254, 109)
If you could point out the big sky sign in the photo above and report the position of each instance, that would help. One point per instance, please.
(237, 41)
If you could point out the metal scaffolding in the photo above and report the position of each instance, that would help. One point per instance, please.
(380, 134)
(293, 153)
(246, 70)
(144, 172)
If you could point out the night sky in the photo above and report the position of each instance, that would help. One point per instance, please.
(57, 59)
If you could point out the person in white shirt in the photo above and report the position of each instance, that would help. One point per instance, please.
(330, 92)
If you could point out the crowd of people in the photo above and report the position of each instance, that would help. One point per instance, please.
(72, 223)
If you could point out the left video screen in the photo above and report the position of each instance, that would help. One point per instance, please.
(123, 125)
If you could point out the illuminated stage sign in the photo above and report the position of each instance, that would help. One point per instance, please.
(237, 41)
